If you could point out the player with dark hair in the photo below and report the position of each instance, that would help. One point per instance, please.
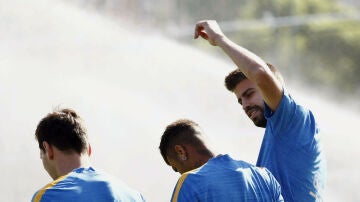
(65, 152)
(210, 177)
(291, 147)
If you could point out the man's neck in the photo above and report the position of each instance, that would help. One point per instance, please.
(67, 163)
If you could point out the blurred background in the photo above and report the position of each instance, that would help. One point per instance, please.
(130, 67)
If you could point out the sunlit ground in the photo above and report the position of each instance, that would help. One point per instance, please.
(128, 85)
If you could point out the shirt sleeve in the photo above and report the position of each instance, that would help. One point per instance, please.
(291, 121)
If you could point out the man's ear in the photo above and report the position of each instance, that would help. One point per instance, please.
(89, 150)
(180, 152)
(48, 150)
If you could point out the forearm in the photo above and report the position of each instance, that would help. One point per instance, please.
(247, 62)
(255, 69)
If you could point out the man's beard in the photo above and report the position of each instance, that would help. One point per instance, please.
(259, 120)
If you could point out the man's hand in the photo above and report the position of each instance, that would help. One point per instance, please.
(209, 30)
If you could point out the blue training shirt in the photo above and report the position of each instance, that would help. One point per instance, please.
(86, 184)
(291, 150)
(224, 179)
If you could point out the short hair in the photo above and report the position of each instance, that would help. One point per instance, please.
(64, 129)
(236, 76)
(183, 131)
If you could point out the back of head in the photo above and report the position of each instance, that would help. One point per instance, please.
(63, 129)
(237, 76)
(180, 132)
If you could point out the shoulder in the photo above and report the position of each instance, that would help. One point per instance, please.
(289, 113)
(183, 189)
(287, 104)
(46, 189)
(116, 185)
(269, 178)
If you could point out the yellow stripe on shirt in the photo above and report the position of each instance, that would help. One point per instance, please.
(42, 191)
(178, 186)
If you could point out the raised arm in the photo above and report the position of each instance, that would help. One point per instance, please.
(254, 68)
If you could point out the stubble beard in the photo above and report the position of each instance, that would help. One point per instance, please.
(259, 120)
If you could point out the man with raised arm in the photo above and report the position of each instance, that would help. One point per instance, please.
(291, 147)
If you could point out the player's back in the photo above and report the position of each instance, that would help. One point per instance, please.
(225, 179)
(87, 184)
